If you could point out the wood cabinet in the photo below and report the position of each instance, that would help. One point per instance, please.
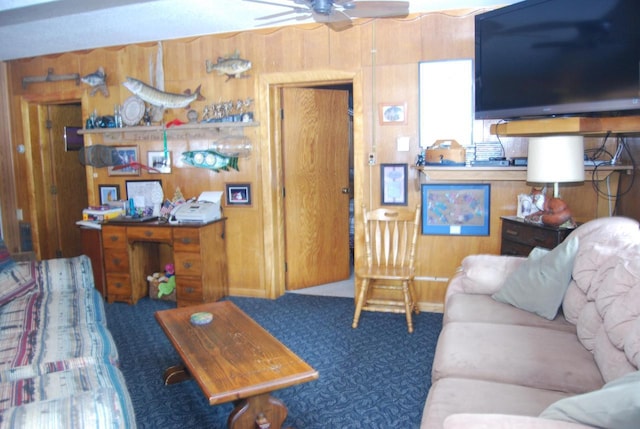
(91, 245)
(520, 237)
(131, 253)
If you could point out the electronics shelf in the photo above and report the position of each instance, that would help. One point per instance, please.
(479, 174)
(622, 125)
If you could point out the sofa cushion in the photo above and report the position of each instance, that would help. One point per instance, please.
(16, 280)
(523, 355)
(616, 405)
(466, 307)
(459, 395)
(539, 284)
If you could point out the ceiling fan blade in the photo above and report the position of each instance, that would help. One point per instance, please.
(375, 9)
(337, 20)
(281, 14)
(292, 18)
(270, 3)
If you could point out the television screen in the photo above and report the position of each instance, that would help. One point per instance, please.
(73, 140)
(558, 57)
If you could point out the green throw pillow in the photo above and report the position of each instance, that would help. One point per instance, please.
(615, 405)
(538, 285)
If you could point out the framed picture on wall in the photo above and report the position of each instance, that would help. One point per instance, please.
(238, 194)
(109, 193)
(160, 161)
(455, 209)
(126, 155)
(393, 113)
(393, 184)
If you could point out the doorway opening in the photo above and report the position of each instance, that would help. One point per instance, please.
(58, 183)
(279, 144)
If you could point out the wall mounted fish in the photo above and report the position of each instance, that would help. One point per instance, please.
(232, 66)
(210, 159)
(97, 81)
(162, 99)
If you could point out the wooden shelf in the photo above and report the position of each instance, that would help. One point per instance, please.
(625, 125)
(155, 132)
(488, 174)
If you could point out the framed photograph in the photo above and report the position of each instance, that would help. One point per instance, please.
(456, 209)
(393, 184)
(127, 155)
(109, 193)
(238, 194)
(159, 160)
(392, 113)
(142, 193)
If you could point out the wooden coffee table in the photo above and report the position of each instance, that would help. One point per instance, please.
(233, 359)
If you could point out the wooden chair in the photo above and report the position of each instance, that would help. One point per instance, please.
(390, 241)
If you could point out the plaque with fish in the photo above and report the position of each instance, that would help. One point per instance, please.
(211, 159)
(232, 66)
(97, 81)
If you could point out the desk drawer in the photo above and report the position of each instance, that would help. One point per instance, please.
(141, 233)
(114, 237)
(118, 285)
(189, 289)
(116, 260)
(186, 240)
(529, 235)
(188, 264)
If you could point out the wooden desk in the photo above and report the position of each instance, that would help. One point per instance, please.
(234, 359)
(131, 253)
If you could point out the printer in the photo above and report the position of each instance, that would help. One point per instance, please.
(205, 209)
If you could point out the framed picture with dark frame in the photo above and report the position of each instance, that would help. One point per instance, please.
(456, 209)
(393, 184)
(109, 193)
(238, 194)
(141, 191)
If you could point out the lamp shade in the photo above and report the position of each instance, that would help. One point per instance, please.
(555, 159)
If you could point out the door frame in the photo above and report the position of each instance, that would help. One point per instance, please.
(268, 86)
(26, 103)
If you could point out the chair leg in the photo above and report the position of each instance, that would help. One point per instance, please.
(414, 301)
(408, 305)
(360, 302)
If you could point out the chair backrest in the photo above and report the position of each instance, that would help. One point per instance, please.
(390, 236)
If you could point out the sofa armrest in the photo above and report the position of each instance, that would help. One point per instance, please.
(482, 274)
(505, 421)
(64, 274)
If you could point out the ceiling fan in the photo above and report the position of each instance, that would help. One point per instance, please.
(335, 13)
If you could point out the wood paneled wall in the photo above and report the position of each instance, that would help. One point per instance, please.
(380, 56)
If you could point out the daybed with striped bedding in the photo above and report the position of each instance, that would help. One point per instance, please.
(58, 361)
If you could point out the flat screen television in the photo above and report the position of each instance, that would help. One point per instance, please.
(544, 58)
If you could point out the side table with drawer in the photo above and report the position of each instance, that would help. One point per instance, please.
(520, 237)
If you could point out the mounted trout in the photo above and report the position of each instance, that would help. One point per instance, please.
(210, 159)
(166, 100)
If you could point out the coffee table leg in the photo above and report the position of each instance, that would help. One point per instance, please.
(176, 374)
(261, 411)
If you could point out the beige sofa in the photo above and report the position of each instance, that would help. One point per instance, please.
(504, 359)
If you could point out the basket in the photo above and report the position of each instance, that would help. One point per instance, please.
(153, 292)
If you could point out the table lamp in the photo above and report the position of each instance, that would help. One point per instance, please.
(555, 159)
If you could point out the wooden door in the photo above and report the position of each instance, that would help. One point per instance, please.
(315, 146)
(63, 183)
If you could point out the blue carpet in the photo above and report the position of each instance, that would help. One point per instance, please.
(375, 376)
